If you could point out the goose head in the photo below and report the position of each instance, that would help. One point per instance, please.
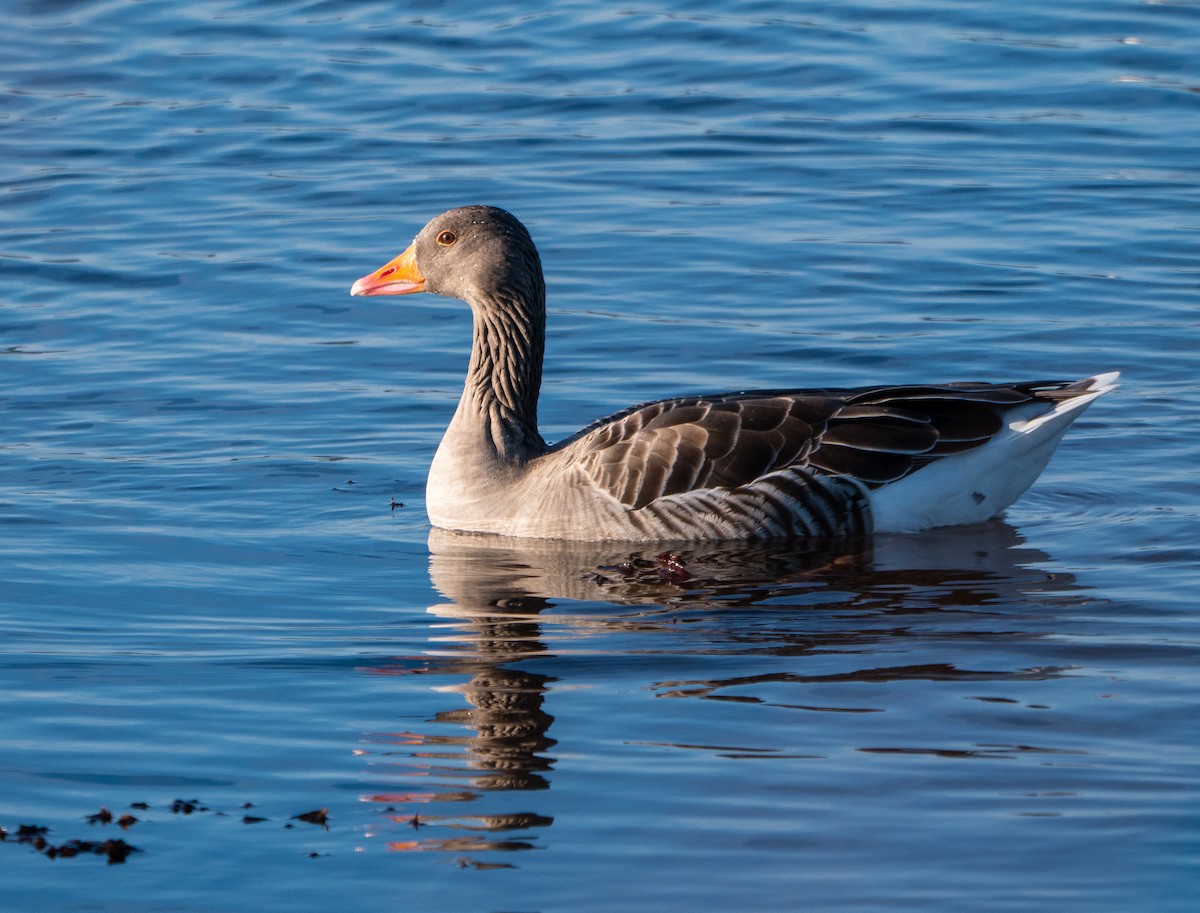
(480, 254)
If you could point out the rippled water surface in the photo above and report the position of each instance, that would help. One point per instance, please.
(222, 607)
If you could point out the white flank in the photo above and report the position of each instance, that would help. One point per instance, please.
(974, 486)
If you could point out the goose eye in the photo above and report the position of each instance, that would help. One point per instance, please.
(446, 238)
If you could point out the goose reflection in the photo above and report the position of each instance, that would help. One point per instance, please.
(769, 608)
(506, 745)
(490, 578)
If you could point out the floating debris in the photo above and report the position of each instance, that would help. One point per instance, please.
(670, 566)
(629, 568)
(318, 816)
(117, 851)
(466, 862)
(186, 807)
(34, 835)
(673, 568)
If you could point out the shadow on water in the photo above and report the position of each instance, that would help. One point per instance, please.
(517, 611)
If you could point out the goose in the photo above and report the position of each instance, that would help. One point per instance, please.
(805, 464)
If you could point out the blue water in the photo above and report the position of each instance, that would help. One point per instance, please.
(218, 583)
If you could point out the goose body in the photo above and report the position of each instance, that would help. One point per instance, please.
(747, 465)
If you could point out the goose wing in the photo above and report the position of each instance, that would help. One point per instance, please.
(874, 435)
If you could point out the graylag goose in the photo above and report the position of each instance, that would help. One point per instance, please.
(749, 465)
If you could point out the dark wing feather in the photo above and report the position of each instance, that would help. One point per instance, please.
(876, 435)
(885, 433)
(871, 466)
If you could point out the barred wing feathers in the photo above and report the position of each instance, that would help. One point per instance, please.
(772, 444)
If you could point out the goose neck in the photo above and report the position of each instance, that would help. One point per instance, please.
(505, 374)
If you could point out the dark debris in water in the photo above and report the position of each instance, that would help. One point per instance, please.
(104, 816)
(35, 835)
(466, 862)
(673, 568)
(319, 816)
(116, 851)
(185, 807)
(668, 567)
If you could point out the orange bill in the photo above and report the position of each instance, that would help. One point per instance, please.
(396, 277)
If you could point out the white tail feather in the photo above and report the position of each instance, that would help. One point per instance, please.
(977, 485)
